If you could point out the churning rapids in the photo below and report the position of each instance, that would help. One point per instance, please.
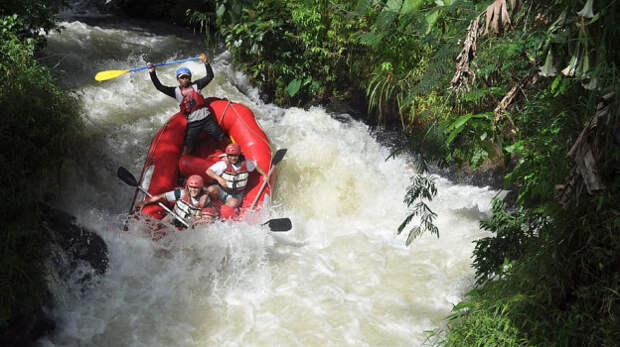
(340, 277)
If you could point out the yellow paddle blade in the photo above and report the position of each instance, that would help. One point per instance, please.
(109, 74)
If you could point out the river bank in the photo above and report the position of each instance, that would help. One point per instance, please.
(534, 131)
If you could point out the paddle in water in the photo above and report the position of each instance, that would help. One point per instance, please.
(129, 178)
(279, 224)
(110, 74)
(274, 161)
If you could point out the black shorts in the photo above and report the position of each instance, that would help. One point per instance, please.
(208, 125)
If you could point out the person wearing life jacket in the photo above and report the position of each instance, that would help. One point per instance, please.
(192, 103)
(231, 175)
(208, 215)
(189, 201)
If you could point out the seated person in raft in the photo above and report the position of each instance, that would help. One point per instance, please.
(192, 203)
(231, 175)
(208, 215)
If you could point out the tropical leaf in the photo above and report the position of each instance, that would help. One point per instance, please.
(410, 6)
(293, 87)
(459, 122)
(431, 19)
(362, 6)
(393, 5)
(220, 10)
(371, 38)
(385, 18)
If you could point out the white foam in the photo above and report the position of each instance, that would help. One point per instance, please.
(340, 277)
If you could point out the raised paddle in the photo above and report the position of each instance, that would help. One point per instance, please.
(128, 178)
(274, 161)
(110, 74)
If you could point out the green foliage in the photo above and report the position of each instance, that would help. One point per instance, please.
(493, 255)
(479, 321)
(549, 274)
(35, 15)
(422, 188)
(38, 123)
(561, 287)
(300, 50)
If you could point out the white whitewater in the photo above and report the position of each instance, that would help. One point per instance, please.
(341, 277)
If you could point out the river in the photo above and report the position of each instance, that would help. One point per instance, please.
(340, 277)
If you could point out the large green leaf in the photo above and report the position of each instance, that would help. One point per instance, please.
(293, 87)
(459, 122)
(220, 10)
(410, 6)
(385, 18)
(393, 5)
(431, 19)
(371, 38)
(457, 127)
(362, 6)
(444, 2)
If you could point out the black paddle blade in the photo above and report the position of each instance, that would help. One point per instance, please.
(279, 224)
(278, 156)
(126, 177)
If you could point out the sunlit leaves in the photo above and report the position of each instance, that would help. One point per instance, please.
(293, 87)
(458, 125)
(410, 6)
(431, 19)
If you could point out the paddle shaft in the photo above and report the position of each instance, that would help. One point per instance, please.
(276, 159)
(165, 207)
(163, 64)
(262, 187)
(110, 74)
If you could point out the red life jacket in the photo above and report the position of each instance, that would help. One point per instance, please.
(192, 100)
(236, 180)
(188, 211)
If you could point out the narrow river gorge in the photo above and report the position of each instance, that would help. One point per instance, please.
(340, 277)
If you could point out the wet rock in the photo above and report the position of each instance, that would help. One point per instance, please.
(71, 245)
(25, 329)
(75, 243)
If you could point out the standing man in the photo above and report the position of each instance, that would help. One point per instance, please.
(192, 103)
(231, 175)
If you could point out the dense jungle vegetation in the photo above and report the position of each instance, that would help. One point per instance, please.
(525, 88)
(39, 121)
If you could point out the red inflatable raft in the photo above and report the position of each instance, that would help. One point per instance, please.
(165, 168)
